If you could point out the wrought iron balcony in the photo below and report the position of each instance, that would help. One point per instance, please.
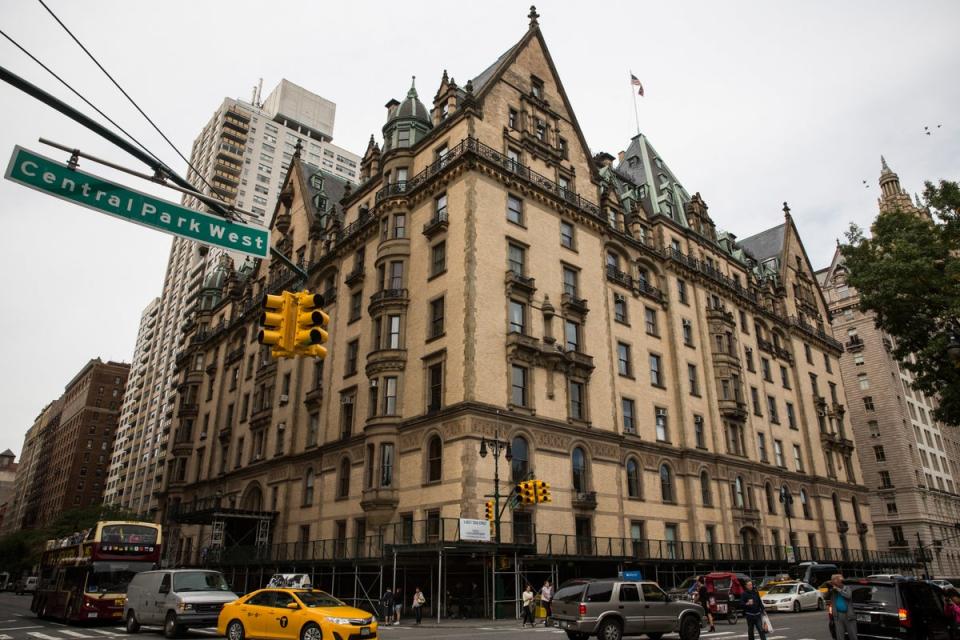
(439, 222)
(520, 282)
(619, 277)
(584, 500)
(355, 276)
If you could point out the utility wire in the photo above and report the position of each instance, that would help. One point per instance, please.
(132, 101)
(78, 94)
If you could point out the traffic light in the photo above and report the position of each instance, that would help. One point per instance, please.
(311, 331)
(277, 324)
(489, 510)
(542, 491)
(526, 492)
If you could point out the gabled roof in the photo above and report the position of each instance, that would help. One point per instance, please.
(333, 187)
(643, 166)
(766, 244)
(488, 77)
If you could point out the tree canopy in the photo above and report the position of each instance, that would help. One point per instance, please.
(908, 273)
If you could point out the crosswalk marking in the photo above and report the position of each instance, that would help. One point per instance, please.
(74, 634)
(41, 636)
(104, 632)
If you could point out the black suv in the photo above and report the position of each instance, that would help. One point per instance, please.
(898, 608)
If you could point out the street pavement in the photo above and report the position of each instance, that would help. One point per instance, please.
(18, 623)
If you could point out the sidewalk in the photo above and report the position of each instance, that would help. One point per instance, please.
(467, 623)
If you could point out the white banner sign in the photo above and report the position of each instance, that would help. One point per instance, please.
(474, 530)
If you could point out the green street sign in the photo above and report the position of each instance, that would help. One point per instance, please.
(59, 180)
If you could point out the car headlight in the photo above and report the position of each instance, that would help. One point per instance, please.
(185, 606)
(338, 620)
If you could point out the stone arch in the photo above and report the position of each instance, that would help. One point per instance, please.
(252, 499)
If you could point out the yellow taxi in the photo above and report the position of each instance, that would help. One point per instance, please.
(766, 587)
(294, 614)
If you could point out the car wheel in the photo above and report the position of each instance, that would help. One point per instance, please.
(310, 631)
(171, 628)
(689, 628)
(796, 606)
(235, 630)
(132, 625)
(820, 605)
(610, 630)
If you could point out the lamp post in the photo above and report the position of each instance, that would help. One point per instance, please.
(953, 346)
(786, 498)
(496, 447)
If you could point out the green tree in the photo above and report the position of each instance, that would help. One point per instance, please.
(74, 520)
(908, 273)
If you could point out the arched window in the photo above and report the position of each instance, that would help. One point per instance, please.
(633, 478)
(787, 500)
(706, 492)
(343, 484)
(837, 512)
(805, 503)
(738, 492)
(520, 464)
(579, 470)
(771, 501)
(434, 459)
(666, 483)
(252, 498)
(308, 478)
(613, 260)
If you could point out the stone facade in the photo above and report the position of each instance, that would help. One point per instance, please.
(490, 278)
(909, 460)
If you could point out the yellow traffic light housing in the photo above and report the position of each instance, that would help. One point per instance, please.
(526, 492)
(542, 491)
(489, 510)
(277, 324)
(312, 322)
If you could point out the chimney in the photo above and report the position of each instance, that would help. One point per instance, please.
(620, 157)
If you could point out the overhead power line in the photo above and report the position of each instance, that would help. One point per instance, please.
(132, 101)
(79, 95)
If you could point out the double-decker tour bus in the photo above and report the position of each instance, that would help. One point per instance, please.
(85, 576)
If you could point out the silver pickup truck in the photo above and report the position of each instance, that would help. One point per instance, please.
(611, 609)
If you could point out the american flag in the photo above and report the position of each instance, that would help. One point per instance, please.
(635, 81)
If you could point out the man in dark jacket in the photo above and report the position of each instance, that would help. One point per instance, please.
(386, 601)
(753, 611)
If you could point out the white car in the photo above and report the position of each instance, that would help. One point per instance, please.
(793, 596)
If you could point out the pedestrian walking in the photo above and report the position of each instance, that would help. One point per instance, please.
(753, 611)
(546, 598)
(703, 595)
(397, 606)
(694, 589)
(418, 602)
(952, 611)
(841, 602)
(527, 606)
(386, 603)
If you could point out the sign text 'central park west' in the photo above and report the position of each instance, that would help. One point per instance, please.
(57, 179)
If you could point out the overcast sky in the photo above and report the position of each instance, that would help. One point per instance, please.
(750, 103)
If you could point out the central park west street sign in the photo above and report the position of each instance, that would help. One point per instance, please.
(59, 180)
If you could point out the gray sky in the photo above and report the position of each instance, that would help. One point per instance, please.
(750, 103)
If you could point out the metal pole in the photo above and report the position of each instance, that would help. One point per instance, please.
(34, 91)
(496, 485)
(439, 598)
(923, 555)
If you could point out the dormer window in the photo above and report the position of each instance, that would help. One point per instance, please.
(316, 181)
(667, 207)
(633, 161)
(536, 87)
(658, 162)
(403, 137)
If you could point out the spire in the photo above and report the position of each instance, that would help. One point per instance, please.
(533, 15)
(297, 149)
(786, 211)
(413, 89)
(883, 164)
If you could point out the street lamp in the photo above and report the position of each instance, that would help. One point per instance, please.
(786, 498)
(496, 447)
(953, 346)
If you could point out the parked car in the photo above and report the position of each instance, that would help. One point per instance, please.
(292, 614)
(176, 599)
(888, 609)
(793, 596)
(25, 585)
(611, 609)
(943, 584)
(954, 580)
(682, 590)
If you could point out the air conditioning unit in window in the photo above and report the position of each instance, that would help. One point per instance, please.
(284, 398)
(346, 400)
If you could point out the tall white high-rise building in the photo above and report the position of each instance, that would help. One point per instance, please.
(242, 154)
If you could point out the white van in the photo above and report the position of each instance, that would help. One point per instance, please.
(176, 599)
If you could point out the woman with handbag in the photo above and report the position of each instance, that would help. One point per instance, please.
(418, 602)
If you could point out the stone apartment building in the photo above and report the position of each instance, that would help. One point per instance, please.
(909, 460)
(491, 279)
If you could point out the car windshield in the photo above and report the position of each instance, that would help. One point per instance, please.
(686, 584)
(721, 584)
(199, 581)
(782, 588)
(569, 594)
(318, 599)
